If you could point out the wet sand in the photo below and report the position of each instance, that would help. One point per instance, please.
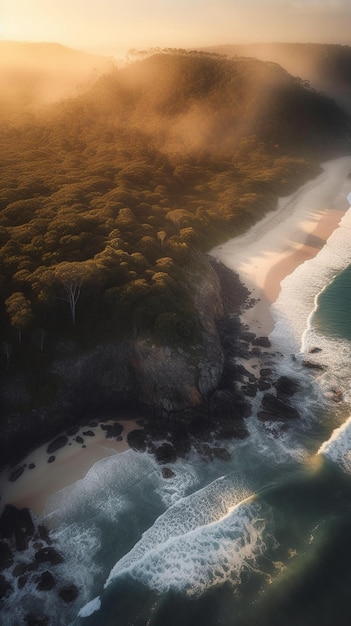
(72, 462)
(274, 247)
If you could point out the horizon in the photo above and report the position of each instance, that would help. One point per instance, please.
(111, 28)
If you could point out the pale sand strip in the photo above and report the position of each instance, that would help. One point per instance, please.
(72, 462)
(285, 238)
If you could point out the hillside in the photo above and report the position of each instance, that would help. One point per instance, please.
(326, 66)
(109, 200)
(37, 74)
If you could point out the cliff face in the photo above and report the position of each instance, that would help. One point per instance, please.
(171, 379)
(135, 377)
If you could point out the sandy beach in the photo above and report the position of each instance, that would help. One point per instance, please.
(274, 247)
(72, 462)
(263, 257)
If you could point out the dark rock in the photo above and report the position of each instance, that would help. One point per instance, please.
(167, 472)
(165, 454)
(72, 430)
(247, 336)
(17, 524)
(234, 429)
(31, 466)
(276, 409)
(58, 443)
(5, 587)
(119, 438)
(48, 555)
(16, 473)
(314, 350)
(68, 593)
(312, 365)
(286, 386)
(221, 453)
(22, 581)
(265, 372)
(51, 458)
(84, 445)
(20, 569)
(114, 431)
(36, 620)
(44, 534)
(46, 581)
(263, 342)
(136, 440)
(79, 439)
(249, 390)
(88, 433)
(201, 428)
(263, 385)
(6, 558)
(93, 424)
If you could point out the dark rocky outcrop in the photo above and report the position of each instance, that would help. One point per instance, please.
(16, 473)
(286, 386)
(17, 525)
(113, 430)
(167, 472)
(48, 555)
(6, 556)
(275, 409)
(5, 587)
(46, 581)
(165, 454)
(262, 342)
(313, 365)
(136, 440)
(69, 593)
(58, 443)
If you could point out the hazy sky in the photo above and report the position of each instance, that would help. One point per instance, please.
(122, 24)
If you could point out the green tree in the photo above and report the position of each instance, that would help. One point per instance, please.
(19, 310)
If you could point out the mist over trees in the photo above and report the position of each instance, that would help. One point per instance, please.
(106, 198)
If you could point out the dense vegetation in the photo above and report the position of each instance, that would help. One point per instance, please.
(326, 66)
(106, 198)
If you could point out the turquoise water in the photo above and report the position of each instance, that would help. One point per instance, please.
(333, 314)
(263, 539)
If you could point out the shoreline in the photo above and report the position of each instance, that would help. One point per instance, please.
(284, 239)
(72, 462)
(271, 250)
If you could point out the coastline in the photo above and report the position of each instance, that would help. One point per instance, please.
(262, 257)
(284, 239)
(72, 462)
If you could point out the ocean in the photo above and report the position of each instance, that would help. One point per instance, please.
(263, 539)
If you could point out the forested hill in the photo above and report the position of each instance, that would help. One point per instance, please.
(105, 199)
(326, 66)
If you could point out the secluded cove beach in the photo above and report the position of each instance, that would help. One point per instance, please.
(45, 473)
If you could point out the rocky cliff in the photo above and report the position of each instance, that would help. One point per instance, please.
(135, 377)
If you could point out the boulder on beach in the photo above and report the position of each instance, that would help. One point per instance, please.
(58, 443)
(136, 440)
(262, 342)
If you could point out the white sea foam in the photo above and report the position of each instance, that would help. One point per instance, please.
(338, 447)
(90, 608)
(204, 556)
(293, 310)
(202, 540)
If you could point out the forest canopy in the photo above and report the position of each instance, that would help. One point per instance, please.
(106, 197)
